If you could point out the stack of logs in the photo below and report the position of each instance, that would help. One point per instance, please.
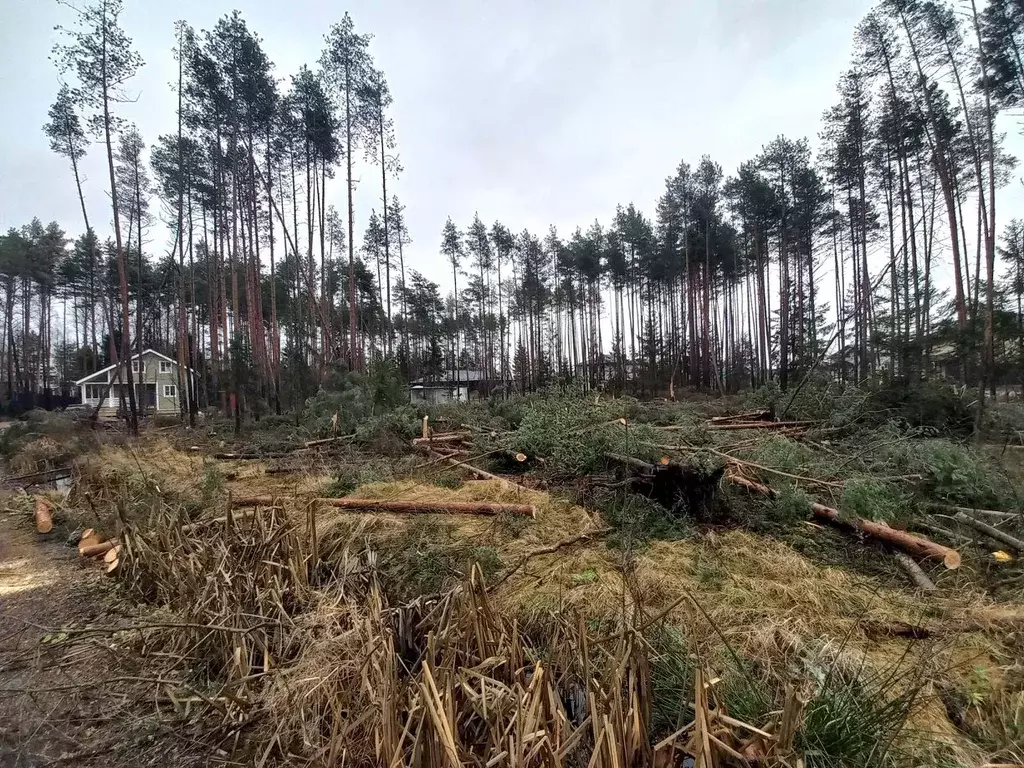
(91, 544)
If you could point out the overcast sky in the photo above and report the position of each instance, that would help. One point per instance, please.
(532, 112)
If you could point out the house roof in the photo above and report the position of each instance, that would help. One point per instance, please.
(171, 360)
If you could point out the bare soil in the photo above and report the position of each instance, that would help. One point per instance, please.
(69, 697)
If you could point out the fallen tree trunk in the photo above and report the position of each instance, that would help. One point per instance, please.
(993, 533)
(406, 507)
(907, 542)
(43, 515)
(37, 478)
(630, 461)
(759, 415)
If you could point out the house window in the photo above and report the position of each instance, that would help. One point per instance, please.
(165, 367)
(93, 391)
(170, 390)
(135, 365)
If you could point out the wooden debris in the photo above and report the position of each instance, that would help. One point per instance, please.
(93, 550)
(992, 532)
(769, 425)
(190, 527)
(915, 572)
(326, 441)
(89, 538)
(37, 478)
(747, 416)
(445, 437)
(403, 507)
(983, 512)
(908, 542)
(43, 515)
(248, 456)
(426, 427)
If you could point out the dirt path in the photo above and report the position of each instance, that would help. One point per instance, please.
(55, 706)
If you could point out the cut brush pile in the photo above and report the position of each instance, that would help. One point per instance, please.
(335, 674)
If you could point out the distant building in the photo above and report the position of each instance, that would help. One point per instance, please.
(460, 385)
(156, 384)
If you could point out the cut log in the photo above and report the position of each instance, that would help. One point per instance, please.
(112, 554)
(405, 507)
(631, 461)
(990, 531)
(113, 567)
(43, 515)
(907, 542)
(425, 432)
(89, 541)
(916, 574)
(95, 550)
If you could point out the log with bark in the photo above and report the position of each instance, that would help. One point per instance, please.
(43, 515)
(907, 542)
(403, 507)
(748, 416)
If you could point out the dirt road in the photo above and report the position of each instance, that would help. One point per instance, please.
(56, 706)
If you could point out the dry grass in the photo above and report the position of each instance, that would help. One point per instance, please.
(734, 592)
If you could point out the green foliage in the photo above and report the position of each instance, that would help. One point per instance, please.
(345, 481)
(922, 403)
(212, 483)
(952, 472)
(791, 505)
(779, 452)
(428, 557)
(487, 559)
(875, 500)
(448, 480)
(851, 723)
(637, 520)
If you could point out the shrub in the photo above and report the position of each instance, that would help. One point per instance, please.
(952, 472)
(874, 500)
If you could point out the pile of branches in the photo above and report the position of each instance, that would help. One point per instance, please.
(323, 669)
(232, 584)
(454, 682)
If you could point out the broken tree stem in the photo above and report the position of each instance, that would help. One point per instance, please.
(990, 531)
(914, 571)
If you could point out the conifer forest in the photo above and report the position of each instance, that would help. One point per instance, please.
(320, 446)
(875, 248)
